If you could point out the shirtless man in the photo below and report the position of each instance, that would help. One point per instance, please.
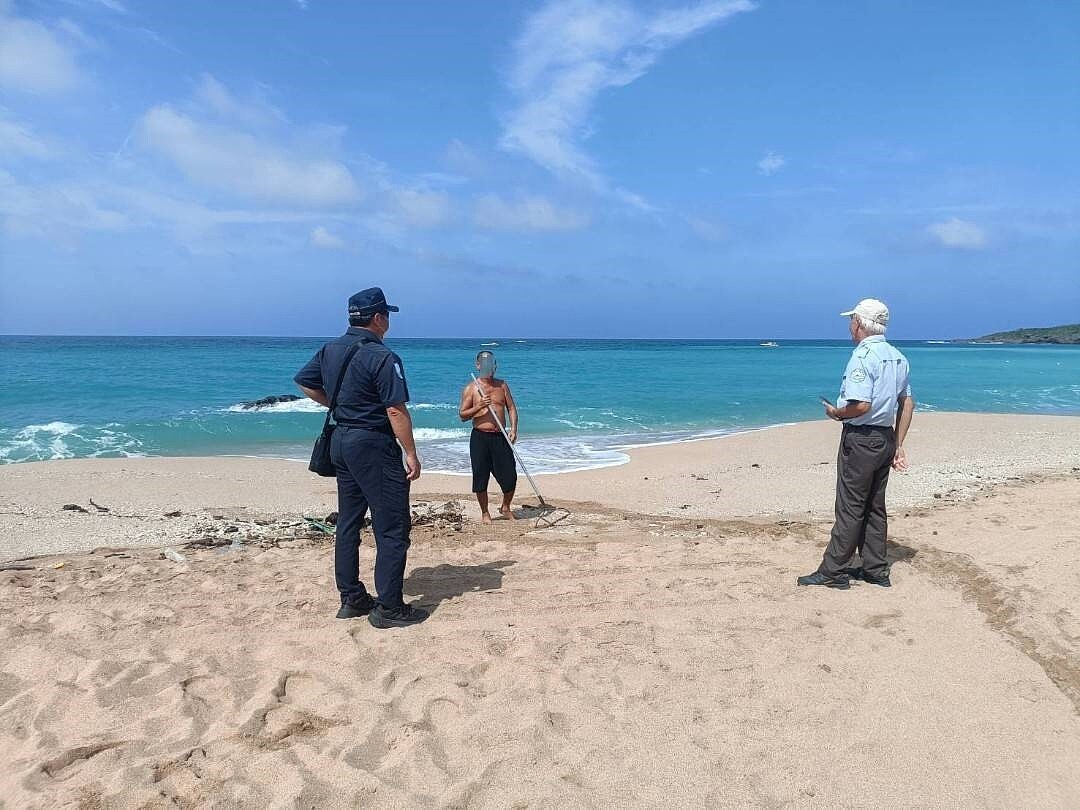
(487, 448)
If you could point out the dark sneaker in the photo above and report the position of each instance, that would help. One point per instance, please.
(858, 573)
(817, 578)
(384, 618)
(354, 610)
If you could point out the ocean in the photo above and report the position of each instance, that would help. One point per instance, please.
(582, 402)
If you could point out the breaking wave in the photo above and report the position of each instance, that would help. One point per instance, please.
(57, 440)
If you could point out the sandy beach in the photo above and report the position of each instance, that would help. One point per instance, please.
(651, 649)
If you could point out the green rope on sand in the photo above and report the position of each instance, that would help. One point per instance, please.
(325, 528)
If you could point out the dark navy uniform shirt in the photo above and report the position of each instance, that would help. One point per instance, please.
(374, 380)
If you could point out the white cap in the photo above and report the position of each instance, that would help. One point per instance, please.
(872, 310)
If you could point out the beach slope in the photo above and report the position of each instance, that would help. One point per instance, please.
(627, 657)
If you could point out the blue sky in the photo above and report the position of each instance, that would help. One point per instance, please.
(584, 168)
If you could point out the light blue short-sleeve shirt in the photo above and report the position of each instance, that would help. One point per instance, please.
(876, 373)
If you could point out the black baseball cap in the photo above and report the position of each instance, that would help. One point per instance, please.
(369, 302)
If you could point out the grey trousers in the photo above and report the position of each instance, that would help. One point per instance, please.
(862, 474)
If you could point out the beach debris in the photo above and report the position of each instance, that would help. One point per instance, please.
(99, 507)
(174, 555)
(697, 477)
(206, 542)
(74, 507)
(331, 519)
(319, 526)
(450, 515)
(59, 564)
(230, 529)
(756, 466)
(173, 514)
(267, 402)
(17, 568)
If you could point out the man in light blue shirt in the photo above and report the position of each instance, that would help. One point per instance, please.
(875, 406)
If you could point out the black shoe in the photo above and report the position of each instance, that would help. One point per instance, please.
(817, 578)
(354, 610)
(404, 616)
(858, 573)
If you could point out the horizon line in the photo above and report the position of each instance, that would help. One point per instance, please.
(638, 339)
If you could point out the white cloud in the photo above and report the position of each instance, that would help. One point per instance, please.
(322, 238)
(16, 139)
(113, 5)
(958, 234)
(76, 33)
(421, 209)
(32, 57)
(572, 50)
(771, 164)
(56, 210)
(528, 213)
(235, 161)
(213, 96)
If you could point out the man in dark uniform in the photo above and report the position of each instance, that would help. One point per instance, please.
(370, 414)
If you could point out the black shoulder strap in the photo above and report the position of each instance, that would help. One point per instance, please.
(341, 377)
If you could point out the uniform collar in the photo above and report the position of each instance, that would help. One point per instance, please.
(871, 339)
(360, 331)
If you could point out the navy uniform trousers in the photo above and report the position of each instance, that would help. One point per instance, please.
(862, 524)
(370, 474)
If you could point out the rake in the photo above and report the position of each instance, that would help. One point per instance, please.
(549, 515)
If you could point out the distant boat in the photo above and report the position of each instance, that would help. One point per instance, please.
(489, 344)
(770, 344)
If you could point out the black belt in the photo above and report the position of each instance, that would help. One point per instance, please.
(869, 428)
(355, 423)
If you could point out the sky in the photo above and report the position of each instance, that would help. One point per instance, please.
(571, 168)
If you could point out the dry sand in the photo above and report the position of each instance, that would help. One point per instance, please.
(638, 654)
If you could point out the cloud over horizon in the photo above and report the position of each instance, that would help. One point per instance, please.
(958, 234)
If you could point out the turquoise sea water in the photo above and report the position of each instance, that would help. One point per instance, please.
(581, 401)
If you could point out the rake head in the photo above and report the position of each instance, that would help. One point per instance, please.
(548, 515)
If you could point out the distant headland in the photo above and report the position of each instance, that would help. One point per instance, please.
(1049, 334)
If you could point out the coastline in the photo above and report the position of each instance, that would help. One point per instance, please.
(781, 472)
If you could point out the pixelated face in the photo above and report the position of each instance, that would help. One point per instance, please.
(486, 364)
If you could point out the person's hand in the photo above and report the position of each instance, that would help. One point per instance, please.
(513, 436)
(412, 467)
(900, 462)
(485, 400)
(831, 412)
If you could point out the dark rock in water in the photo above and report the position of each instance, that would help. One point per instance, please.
(266, 402)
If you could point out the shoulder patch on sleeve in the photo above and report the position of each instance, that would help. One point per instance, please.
(858, 375)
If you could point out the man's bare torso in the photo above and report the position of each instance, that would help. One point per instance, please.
(496, 389)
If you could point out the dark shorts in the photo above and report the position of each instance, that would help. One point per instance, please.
(492, 454)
